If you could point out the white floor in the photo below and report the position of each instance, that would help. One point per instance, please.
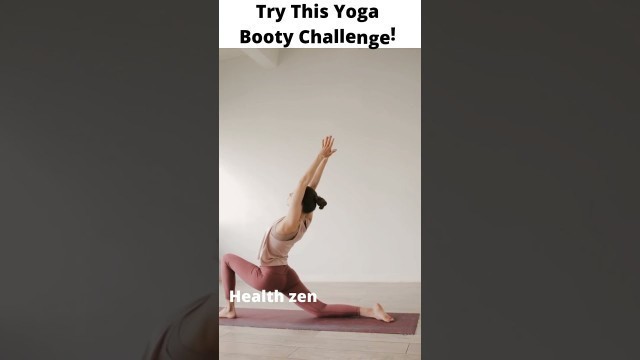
(255, 343)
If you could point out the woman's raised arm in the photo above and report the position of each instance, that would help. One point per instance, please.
(292, 219)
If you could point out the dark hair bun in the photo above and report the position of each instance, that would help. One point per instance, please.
(321, 202)
(311, 200)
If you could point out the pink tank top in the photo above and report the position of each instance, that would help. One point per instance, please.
(274, 250)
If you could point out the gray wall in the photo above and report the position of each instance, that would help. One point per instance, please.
(108, 196)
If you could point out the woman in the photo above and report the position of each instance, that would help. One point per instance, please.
(274, 273)
(189, 336)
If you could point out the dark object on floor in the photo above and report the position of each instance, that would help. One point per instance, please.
(189, 336)
(405, 323)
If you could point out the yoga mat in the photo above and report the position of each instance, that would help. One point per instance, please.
(404, 324)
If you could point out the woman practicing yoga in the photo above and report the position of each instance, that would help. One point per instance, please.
(274, 273)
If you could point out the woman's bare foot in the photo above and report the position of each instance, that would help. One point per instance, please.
(227, 313)
(380, 314)
(376, 312)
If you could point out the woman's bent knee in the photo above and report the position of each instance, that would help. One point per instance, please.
(228, 256)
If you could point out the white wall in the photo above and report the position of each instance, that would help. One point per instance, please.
(271, 125)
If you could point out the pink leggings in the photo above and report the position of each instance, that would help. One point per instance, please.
(281, 278)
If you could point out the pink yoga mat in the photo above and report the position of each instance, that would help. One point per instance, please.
(405, 323)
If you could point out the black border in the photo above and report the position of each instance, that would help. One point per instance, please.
(530, 180)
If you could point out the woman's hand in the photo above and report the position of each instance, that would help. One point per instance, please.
(311, 178)
(327, 145)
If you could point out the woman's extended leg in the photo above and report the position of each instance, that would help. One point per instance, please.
(319, 309)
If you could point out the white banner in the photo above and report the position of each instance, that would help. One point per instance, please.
(369, 24)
